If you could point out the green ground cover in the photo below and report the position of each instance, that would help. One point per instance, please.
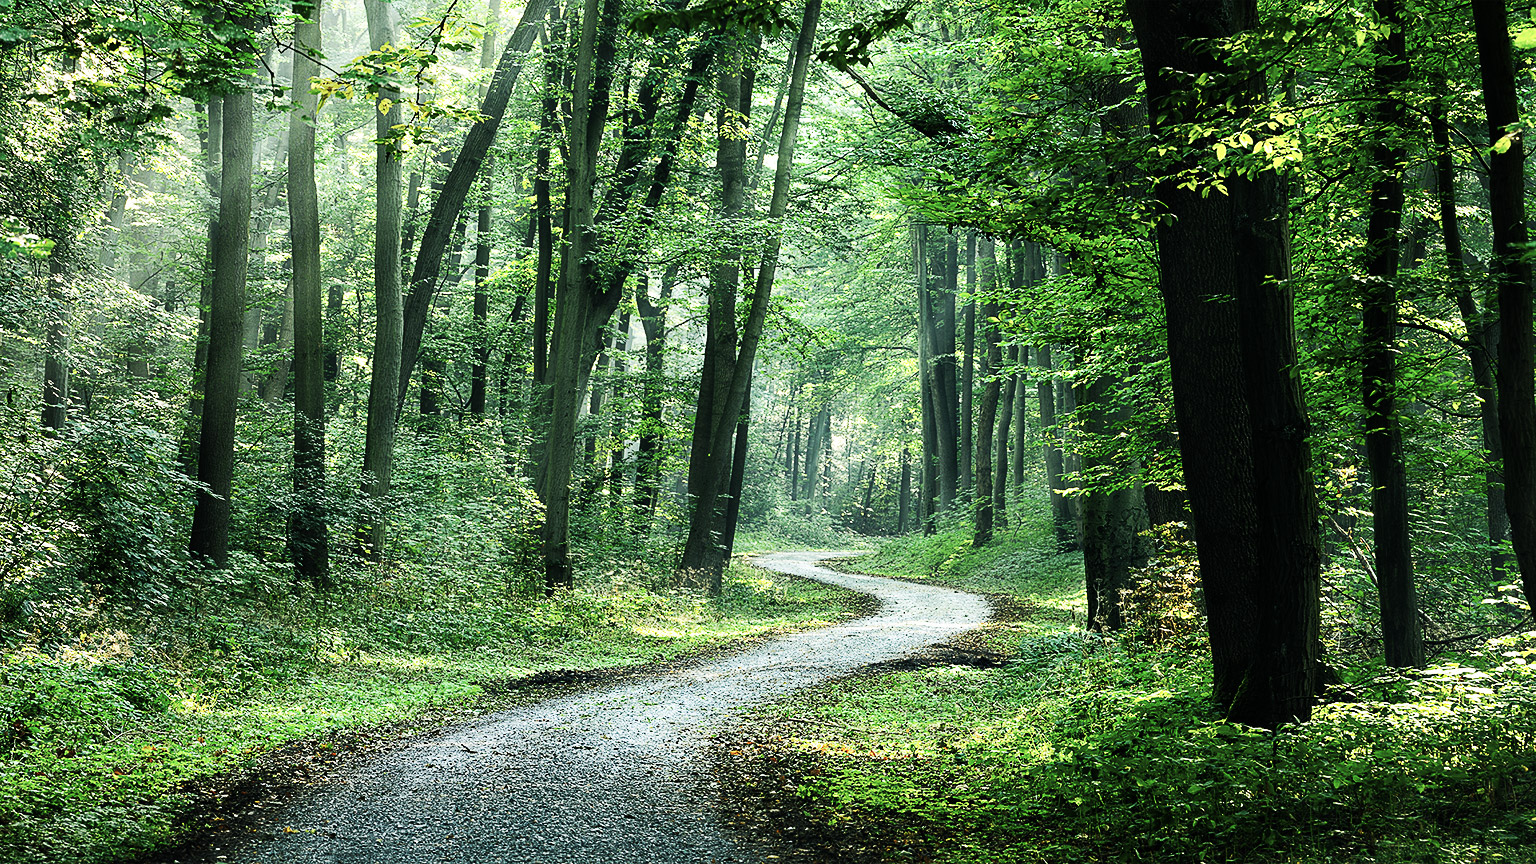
(1073, 747)
(102, 741)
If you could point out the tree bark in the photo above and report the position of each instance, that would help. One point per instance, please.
(968, 370)
(221, 382)
(308, 526)
(1000, 462)
(1234, 378)
(1402, 635)
(991, 365)
(383, 403)
(1516, 366)
(1061, 508)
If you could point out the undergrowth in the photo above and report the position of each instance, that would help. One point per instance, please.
(1081, 748)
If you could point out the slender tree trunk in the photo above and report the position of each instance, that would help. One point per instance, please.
(1402, 636)
(735, 394)
(738, 479)
(653, 319)
(1000, 461)
(1061, 509)
(945, 403)
(1030, 272)
(383, 403)
(1113, 519)
(991, 365)
(968, 370)
(904, 496)
(1482, 335)
(1516, 366)
(213, 142)
(461, 177)
(221, 382)
(56, 346)
(308, 526)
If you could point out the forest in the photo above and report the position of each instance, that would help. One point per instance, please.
(370, 365)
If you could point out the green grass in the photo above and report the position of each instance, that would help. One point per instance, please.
(100, 739)
(1082, 748)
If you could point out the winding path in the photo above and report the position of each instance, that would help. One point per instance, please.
(608, 775)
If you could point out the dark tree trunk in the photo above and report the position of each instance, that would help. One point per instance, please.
(904, 496)
(991, 364)
(1113, 519)
(1061, 508)
(383, 405)
(968, 371)
(1482, 336)
(56, 346)
(1000, 462)
(226, 318)
(1516, 367)
(653, 319)
(1233, 371)
(1402, 636)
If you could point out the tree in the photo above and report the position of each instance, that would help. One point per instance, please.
(1512, 271)
(308, 532)
(1234, 375)
(389, 322)
(221, 381)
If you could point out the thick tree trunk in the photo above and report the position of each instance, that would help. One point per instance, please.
(221, 381)
(1402, 634)
(383, 402)
(1234, 380)
(308, 526)
(1516, 367)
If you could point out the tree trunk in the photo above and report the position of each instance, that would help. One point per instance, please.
(383, 402)
(968, 371)
(221, 381)
(1482, 337)
(1233, 371)
(1061, 509)
(991, 366)
(308, 525)
(213, 142)
(1113, 519)
(653, 319)
(1516, 366)
(56, 346)
(1402, 635)
(736, 392)
(1000, 462)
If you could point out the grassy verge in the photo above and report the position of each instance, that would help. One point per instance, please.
(106, 740)
(1078, 748)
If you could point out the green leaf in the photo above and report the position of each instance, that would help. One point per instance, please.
(1526, 38)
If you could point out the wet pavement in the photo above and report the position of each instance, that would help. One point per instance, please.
(613, 774)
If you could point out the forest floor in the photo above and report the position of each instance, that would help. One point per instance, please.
(608, 773)
(1032, 740)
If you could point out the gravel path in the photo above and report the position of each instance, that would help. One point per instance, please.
(608, 775)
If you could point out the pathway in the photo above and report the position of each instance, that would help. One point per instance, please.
(608, 775)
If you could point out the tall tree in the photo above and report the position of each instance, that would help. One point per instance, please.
(383, 401)
(991, 373)
(1236, 392)
(308, 531)
(1402, 636)
(1512, 271)
(221, 381)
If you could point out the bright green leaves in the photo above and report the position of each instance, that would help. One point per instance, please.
(17, 241)
(851, 45)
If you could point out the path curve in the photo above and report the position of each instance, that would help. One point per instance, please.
(613, 774)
